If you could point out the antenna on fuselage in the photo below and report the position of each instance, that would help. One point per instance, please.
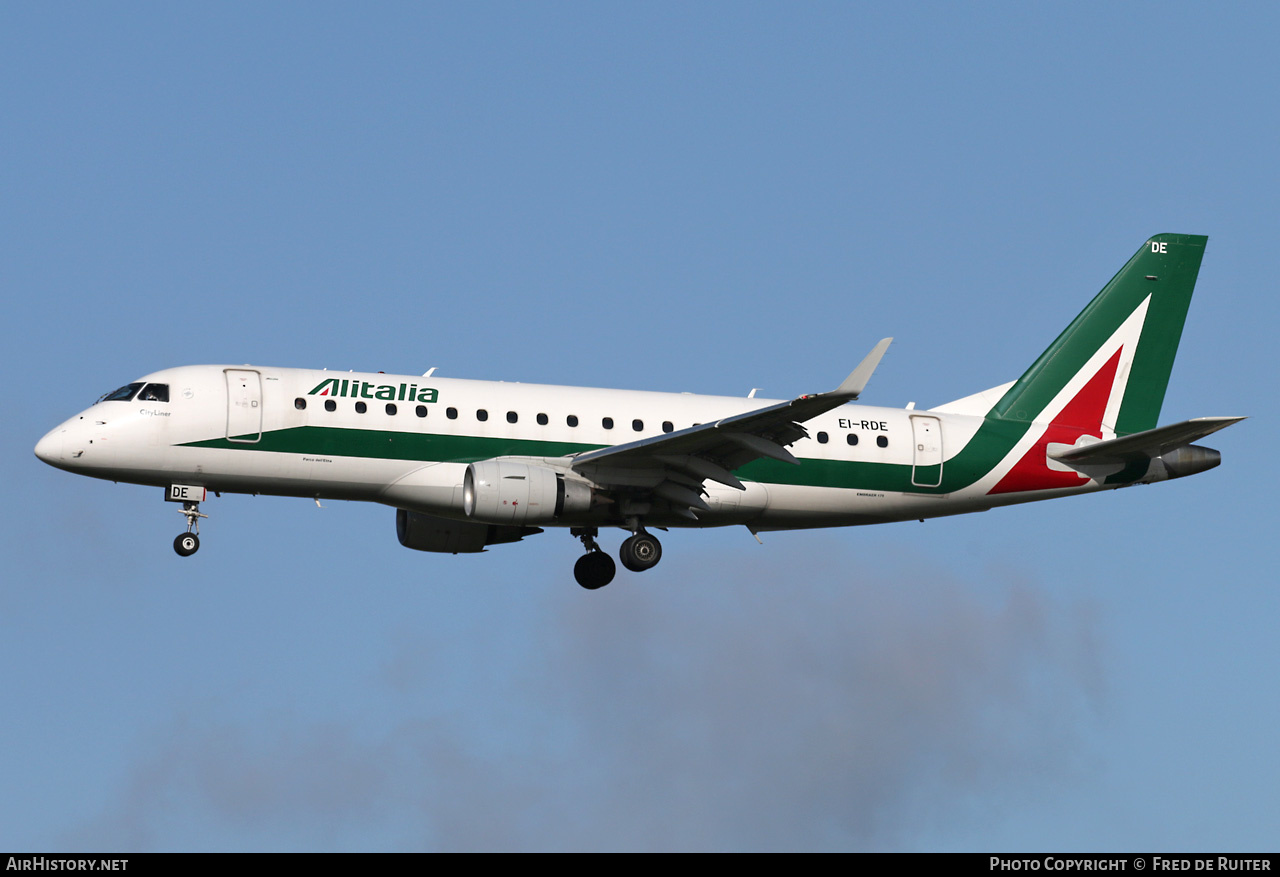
(429, 372)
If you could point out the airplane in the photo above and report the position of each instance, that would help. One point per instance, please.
(470, 464)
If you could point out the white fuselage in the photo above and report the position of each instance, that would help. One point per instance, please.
(250, 429)
(469, 464)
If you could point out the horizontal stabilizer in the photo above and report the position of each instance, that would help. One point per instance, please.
(1150, 443)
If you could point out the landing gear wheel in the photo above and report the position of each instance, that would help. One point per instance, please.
(595, 569)
(189, 542)
(186, 544)
(640, 552)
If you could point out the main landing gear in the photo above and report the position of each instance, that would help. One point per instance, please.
(595, 569)
(640, 552)
(188, 543)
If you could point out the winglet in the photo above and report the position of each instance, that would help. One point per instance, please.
(857, 381)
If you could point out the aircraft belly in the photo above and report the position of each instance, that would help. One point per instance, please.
(290, 474)
(801, 506)
(795, 505)
(435, 488)
(732, 506)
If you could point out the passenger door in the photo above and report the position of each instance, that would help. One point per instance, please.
(926, 434)
(244, 405)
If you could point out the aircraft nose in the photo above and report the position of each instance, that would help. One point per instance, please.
(49, 448)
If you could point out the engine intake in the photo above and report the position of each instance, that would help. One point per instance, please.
(512, 492)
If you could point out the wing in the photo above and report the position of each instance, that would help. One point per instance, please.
(674, 466)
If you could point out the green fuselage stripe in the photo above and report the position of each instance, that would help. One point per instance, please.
(991, 443)
(379, 444)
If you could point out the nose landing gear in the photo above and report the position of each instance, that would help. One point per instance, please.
(188, 543)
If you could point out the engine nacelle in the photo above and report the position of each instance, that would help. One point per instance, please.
(514, 492)
(429, 533)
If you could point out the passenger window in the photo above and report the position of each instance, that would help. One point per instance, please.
(361, 408)
(300, 403)
(637, 425)
(852, 438)
(882, 441)
(542, 420)
(330, 405)
(667, 426)
(154, 393)
(572, 420)
(607, 423)
(391, 408)
(482, 415)
(822, 438)
(512, 417)
(451, 413)
(421, 411)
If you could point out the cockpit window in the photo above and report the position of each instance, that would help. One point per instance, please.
(124, 394)
(154, 393)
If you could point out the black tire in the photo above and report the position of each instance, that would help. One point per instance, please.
(640, 552)
(595, 569)
(186, 544)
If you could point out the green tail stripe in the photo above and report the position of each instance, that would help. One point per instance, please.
(1174, 261)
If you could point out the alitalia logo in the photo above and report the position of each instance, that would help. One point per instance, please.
(365, 390)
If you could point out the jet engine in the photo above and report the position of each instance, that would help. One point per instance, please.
(512, 492)
(430, 533)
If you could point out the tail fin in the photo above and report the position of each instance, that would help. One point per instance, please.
(1109, 370)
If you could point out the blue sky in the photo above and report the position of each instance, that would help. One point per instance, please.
(702, 197)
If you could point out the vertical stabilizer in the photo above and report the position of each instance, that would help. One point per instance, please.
(1111, 366)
